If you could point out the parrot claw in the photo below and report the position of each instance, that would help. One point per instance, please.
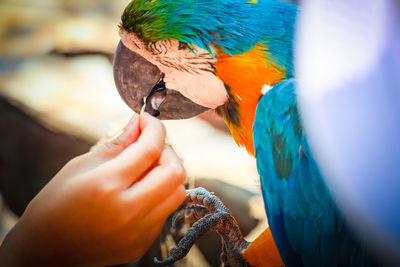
(207, 213)
(166, 262)
(179, 214)
(191, 213)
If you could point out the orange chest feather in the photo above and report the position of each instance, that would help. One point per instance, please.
(245, 75)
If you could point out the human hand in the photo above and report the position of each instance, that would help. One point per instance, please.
(105, 207)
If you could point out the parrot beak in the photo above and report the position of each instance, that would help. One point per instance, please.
(141, 86)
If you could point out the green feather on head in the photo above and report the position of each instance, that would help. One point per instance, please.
(149, 20)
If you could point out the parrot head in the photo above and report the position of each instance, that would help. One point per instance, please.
(179, 58)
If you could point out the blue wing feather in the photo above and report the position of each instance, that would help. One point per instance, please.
(307, 227)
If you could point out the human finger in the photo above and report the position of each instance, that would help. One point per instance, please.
(132, 163)
(103, 152)
(116, 145)
(158, 183)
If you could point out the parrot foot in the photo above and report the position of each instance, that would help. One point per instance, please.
(208, 213)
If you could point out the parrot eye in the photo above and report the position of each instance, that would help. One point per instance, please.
(181, 45)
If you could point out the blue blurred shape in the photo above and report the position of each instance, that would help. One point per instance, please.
(348, 65)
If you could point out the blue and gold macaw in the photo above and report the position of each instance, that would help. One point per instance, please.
(178, 58)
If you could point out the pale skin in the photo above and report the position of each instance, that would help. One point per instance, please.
(105, 207)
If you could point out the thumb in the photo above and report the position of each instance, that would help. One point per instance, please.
(116, 145)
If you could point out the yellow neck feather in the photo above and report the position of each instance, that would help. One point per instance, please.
(245, 75)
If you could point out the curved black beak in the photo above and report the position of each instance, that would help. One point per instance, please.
(140, 82)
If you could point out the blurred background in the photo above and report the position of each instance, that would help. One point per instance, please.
(58, 98)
